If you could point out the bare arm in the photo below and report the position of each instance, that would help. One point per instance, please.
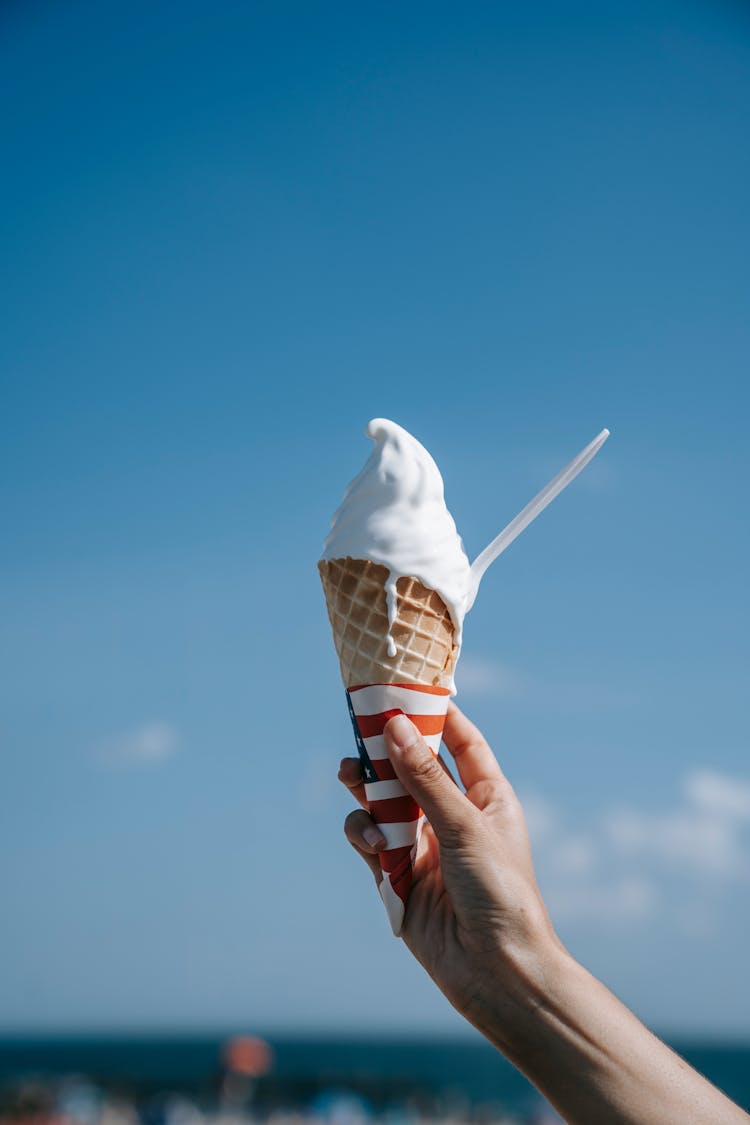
(477, 923)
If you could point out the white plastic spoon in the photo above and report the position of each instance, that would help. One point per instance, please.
(530, 512)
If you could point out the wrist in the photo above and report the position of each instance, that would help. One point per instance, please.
(515, 993)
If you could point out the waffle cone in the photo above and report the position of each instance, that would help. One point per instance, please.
(423, 631)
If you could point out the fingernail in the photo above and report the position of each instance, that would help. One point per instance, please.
(402, 732)
(373, 836)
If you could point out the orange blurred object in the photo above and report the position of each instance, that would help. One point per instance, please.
(248, 1055)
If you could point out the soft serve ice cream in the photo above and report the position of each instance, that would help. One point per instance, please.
(394, 513)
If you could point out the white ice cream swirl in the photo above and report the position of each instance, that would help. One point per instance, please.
(394, 514)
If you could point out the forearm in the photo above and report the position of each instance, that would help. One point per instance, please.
(589, 1055)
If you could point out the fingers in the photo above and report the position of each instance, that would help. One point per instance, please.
(350, 775)
(366, 838)
(472, 755)
(431, 786)
(362, 831)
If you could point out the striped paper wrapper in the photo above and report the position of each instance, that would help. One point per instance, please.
(397, 814)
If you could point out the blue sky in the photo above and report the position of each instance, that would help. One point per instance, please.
(230, 237)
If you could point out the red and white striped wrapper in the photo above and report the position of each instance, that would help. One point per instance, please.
(398, 815)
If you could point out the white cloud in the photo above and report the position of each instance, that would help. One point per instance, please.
(628, 897)
(542, 817)
(727, 796)
(576, 855)
(476, 676)
(569, 865)
(625, 863)
(479, 676)
(149, 743)
(703, 835)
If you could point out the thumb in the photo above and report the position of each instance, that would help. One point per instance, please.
(420, 773)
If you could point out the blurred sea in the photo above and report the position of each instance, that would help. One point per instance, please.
(460, 1079)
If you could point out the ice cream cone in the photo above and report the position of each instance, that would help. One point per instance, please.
(423, 633)
(416, 680)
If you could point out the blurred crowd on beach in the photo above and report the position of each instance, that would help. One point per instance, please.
(75, 1100)
(214, 1079)
(246, 1089)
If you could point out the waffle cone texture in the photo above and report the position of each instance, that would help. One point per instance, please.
(423, 631)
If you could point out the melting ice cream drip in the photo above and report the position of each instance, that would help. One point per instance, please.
(391, 603)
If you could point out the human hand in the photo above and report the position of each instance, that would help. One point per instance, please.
(476, 921)
(475, 918)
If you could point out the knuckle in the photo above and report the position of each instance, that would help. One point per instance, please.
(504, 795)
(491, 792)
(424, 766)
(463, 746)
(462, 833)
(451, 838)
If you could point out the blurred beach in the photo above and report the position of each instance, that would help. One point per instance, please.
(181, 1080)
